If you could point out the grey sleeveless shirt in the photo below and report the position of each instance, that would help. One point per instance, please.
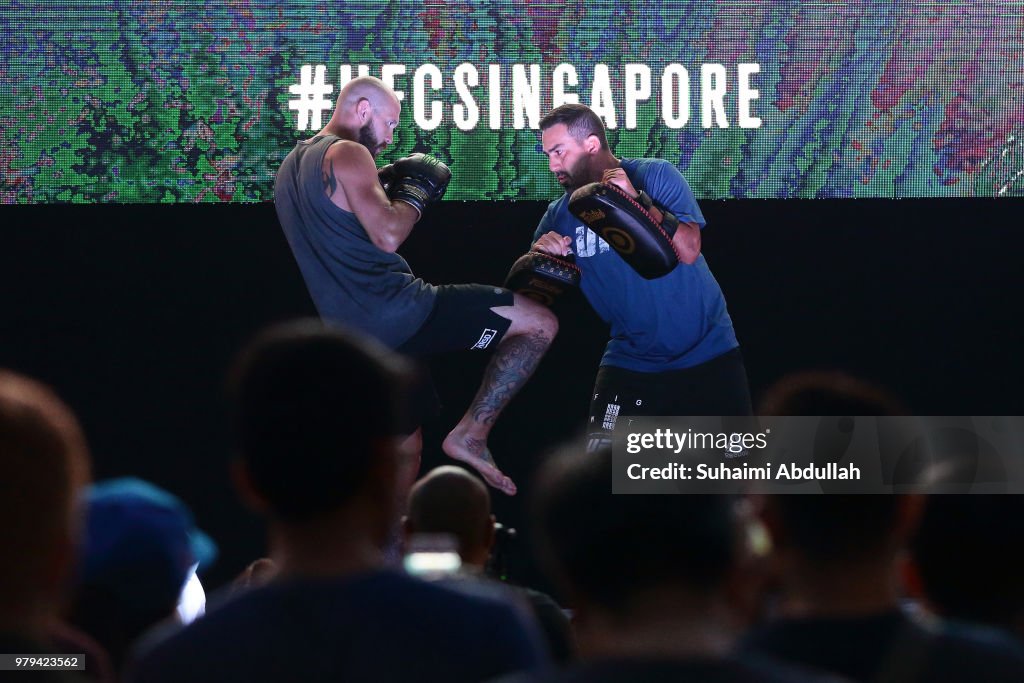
(350, 279)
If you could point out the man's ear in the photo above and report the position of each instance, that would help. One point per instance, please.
(247, 491)
(592, 144)
(363, 108)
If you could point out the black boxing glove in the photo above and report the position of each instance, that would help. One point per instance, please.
(419, 180)
(543, 277)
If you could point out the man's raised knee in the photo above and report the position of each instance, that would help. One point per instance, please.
(530, 316)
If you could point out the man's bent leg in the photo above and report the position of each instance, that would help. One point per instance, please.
(531, 332)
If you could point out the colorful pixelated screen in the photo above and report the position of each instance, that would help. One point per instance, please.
(185, 101)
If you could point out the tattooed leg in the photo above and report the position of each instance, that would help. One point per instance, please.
(514, 361)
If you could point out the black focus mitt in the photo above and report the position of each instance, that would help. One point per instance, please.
(624, 223)
(543, 277)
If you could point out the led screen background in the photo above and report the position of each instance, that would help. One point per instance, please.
(187, 101)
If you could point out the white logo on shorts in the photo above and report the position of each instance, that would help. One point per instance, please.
(611, 416)
(485, 339)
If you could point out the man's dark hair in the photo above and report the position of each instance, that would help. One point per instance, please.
(580, 119)
(837, 528)
(833, 528)
(45, 462)
(312, 405)
(449, 500)
(612, 548)
(827, 393)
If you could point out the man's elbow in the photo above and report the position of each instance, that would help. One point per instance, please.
(691, 252)
(689, 258)
(387, 243)
(687, 243)
(387, 238)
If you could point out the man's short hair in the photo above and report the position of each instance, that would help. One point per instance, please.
(313, 405)
(449, 500)
(831, 392)
(833, 529)
(44, 464)
(579, 119)
(611, 548)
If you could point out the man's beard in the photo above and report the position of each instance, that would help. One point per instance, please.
(576, 177)
(369, 140)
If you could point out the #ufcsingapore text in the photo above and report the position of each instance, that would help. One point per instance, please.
(517, 91)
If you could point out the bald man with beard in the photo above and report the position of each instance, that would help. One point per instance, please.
(344, 221)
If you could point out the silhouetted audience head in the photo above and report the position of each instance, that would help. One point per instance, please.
(619, 553)
(839, 563)
(316, 413)
(656, 582)
(827, 393)
(968, 556)
(450, 500)
(840, 559)
(44, 464)
(139, 549)
(828, 530)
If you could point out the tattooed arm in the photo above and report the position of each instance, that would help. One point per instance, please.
(350, 180)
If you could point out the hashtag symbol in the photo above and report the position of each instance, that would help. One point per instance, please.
(310, 92)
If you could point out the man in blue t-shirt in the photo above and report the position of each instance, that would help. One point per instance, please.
(673, 350)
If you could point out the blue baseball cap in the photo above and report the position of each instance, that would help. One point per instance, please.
(140, 543)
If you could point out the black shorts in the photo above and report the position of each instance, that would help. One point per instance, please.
(715, 387)
(462, 319)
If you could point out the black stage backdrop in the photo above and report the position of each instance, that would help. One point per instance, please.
(133, 313)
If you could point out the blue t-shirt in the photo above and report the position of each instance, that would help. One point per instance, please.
(669, 323)
(381, 626)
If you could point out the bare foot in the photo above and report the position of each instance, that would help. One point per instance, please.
(474, 453)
